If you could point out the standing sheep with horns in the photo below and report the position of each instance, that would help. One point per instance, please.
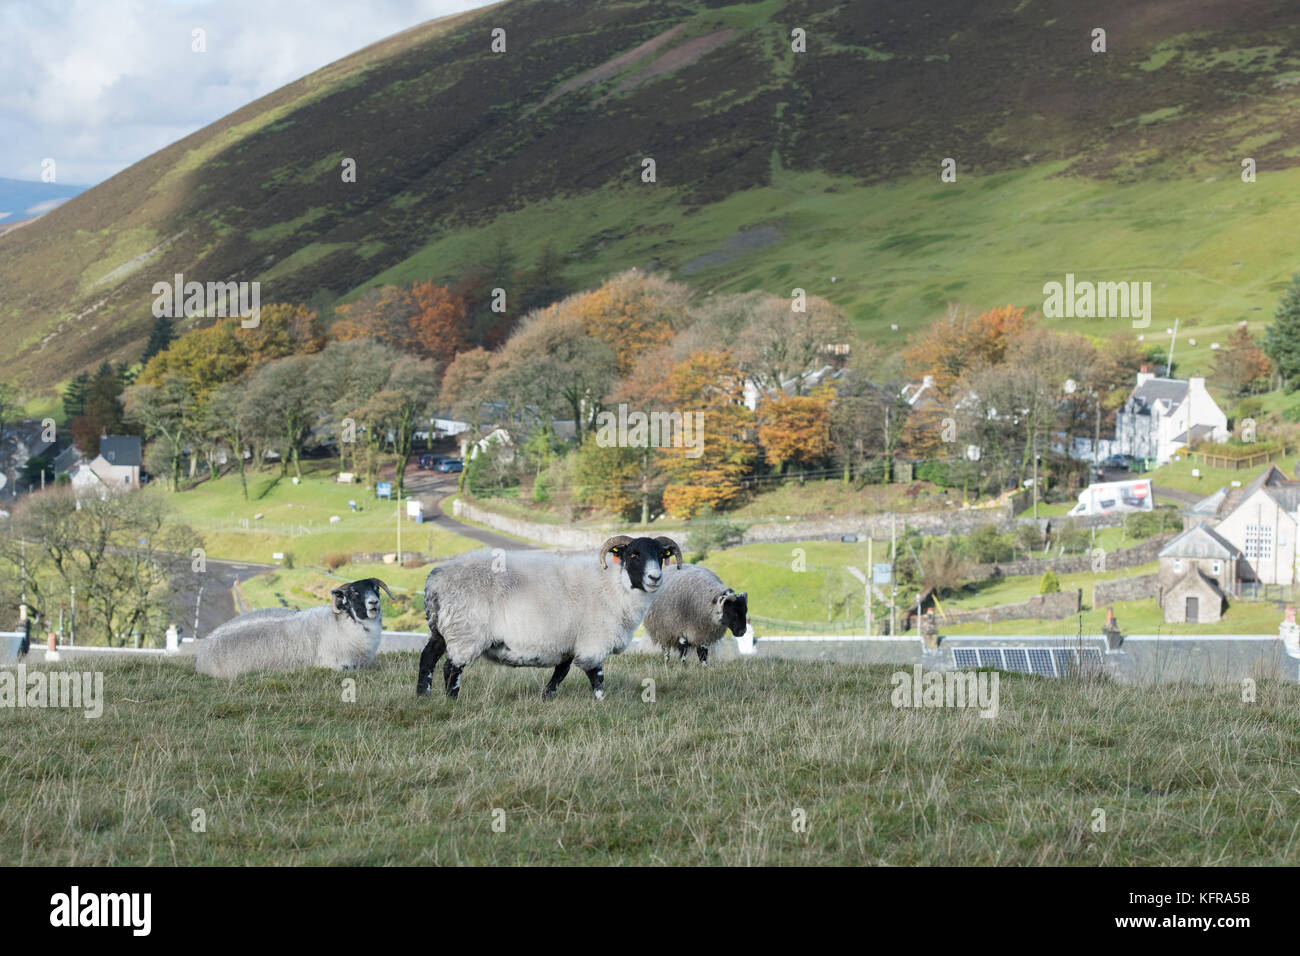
(540, 610)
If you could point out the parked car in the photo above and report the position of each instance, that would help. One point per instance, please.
(451, 465)
(1117, 463)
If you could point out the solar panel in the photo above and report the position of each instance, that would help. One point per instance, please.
(1017, 659)
(991, 658)
(965, 657)
(1040, 662)
(1090, 661)
(1067, 662)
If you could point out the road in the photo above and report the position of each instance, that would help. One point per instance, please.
(430, 487)
(218, 601)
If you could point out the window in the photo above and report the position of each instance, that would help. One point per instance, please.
(1259, 543)
(1216, 567)
(1178, 565)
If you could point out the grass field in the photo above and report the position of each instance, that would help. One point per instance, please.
(713, 771)
(295, 519)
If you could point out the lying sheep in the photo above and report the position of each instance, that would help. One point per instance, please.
(342, 636)
(694, 609)
(540, 610)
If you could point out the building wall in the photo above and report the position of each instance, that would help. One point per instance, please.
(1210, 607)
(1279, 527)
(1171, 569)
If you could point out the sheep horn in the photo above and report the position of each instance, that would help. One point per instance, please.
(672, 547)
(610, 544)
(379, 583)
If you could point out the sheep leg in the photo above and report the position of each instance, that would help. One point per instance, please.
(560, 672)
(703, 653)
(428, 661)
(597, 677)
(682, 648)
(451, 677)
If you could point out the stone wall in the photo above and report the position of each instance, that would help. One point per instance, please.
(1044, 607)
(929, 523)
(1126, 589)
(1139, 554)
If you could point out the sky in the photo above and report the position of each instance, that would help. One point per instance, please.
(97, 85)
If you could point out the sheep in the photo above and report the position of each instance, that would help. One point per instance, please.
(342, 636)
(694, 609)
(540, 610)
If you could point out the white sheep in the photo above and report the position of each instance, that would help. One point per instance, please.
(342, 636)
(540, 610)
(695, 609)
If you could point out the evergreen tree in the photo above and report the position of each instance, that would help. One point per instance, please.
(159, 338)
(74, 397)
(1282, 342)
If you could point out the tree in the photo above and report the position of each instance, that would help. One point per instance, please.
(465, 385)
(1282, 340)
(402, 407)
(438, 326)
(1241, 367)
(959, 342)
(795, 428)
(226, 419)
(166, 410)
(124, 553)
(551, 363)
(285, 392)
(632, 313)
(74, 396)
(780, 345)
(711, 471)
(606, 476)
(347, 375)
(160, 336)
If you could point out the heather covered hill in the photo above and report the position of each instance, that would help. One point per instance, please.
(774, 168)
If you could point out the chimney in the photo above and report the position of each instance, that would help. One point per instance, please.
(1145, 375)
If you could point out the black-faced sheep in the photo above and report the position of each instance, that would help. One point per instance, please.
(343, 636)
(540, 610)
(695, 609)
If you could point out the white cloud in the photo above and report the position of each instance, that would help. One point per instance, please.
(99, 84)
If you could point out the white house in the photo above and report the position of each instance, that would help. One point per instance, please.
(1262, 518)
(1163, 415)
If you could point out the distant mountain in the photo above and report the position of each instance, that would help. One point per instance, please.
(775, 169)
(20, 199)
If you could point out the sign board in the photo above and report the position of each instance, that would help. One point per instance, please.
(277, 556)
(384, 489)
(413, 508)
(880, 573)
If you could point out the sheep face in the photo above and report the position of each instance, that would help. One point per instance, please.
(359, 599)
(641, 560)
(733, 611)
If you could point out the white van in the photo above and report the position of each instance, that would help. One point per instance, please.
(1113, 497)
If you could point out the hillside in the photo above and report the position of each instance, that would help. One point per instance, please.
(775, 169)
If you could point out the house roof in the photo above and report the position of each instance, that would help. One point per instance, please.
(121, 450)
(1200, 541)
(1199, 579)
(1199, 433)
(1285, 491)
(1170, 391)
(1209, 506)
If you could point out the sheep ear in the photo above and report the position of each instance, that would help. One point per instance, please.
(340, 600)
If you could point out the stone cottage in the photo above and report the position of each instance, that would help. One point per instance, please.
(1199, 570)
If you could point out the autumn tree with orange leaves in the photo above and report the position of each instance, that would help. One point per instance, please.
(795, 428)
(422, 319)
(960, 342)
(708, 382)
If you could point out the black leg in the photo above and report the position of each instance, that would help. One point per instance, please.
(428, 661)
(703, 652)
(682, 648)
(451, 677)
(560, 672)
(597, 677)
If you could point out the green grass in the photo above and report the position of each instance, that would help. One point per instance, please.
(1178, 475)
(713, 771)
(296, 519)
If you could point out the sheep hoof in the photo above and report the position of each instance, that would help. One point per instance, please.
(599, 694)
(548, 693)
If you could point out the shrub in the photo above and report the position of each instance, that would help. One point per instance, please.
(288, 559)
(1049, 584)
(336, 559)
(708, 531)
(988, 545)
(1072, 539)
(1029, 537)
